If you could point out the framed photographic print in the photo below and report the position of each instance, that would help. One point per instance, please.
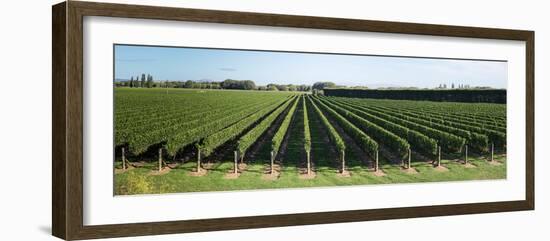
(213, 120)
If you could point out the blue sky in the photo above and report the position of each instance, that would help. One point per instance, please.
(264, 67)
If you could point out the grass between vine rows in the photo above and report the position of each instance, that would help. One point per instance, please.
(139, 180)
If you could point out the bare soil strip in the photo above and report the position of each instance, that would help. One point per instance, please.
(163, 171)
(242, 167)
(199, 173)
(172, 165)
(138, 164)
(410, 170)
(271, 176)
(378, 173)
(469, 165)
(276, 167)
(120, 170)
(495, 163)
(344, 174)
(304, 175)
(232, 175)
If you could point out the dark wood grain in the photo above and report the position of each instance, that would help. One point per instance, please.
(58, 121)
(67, 136)
(74, 120)
(530, 120)
(121, 230)
(280, 20)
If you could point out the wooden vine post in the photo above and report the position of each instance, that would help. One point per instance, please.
(308, 163)
(198, 160)
(376, 162)
(123, 160)
(235, 163)
(343, 162)
(160, 159)
(466, 155)
(492, 152)
(272, 157)
(409, 159)
(438, 156)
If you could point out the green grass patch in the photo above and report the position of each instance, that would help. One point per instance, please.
(139, 180)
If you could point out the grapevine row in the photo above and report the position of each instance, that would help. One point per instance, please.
(307, 131)
(332, 133)
(281, 132)
(446, 140)
(381, 135)
(176, 137)
(476, 140)
(417, 140)
(161, 128)
(215, 140)
(478, 132)
(456, 119)
(251, 136)
(363, 140)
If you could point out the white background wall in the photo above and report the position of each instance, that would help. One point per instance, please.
(25, 121)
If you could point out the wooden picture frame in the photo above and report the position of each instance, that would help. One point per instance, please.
(67, 124)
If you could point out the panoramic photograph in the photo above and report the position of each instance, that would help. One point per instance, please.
(190, 119)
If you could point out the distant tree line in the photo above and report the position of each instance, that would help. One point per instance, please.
(330, 88)
(146, 81)
(190, 84)
(461, 86)
(290, 87)
(238, 84)
(323, 85)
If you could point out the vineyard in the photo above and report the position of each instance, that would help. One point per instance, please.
(178, 140)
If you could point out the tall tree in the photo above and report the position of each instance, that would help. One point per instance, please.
(149, 81)
(142, 81)
(323, 85)
(188, 84)
(292, 87)
(238, 84)
(131, 84)
(272, 88)
(248, 85)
